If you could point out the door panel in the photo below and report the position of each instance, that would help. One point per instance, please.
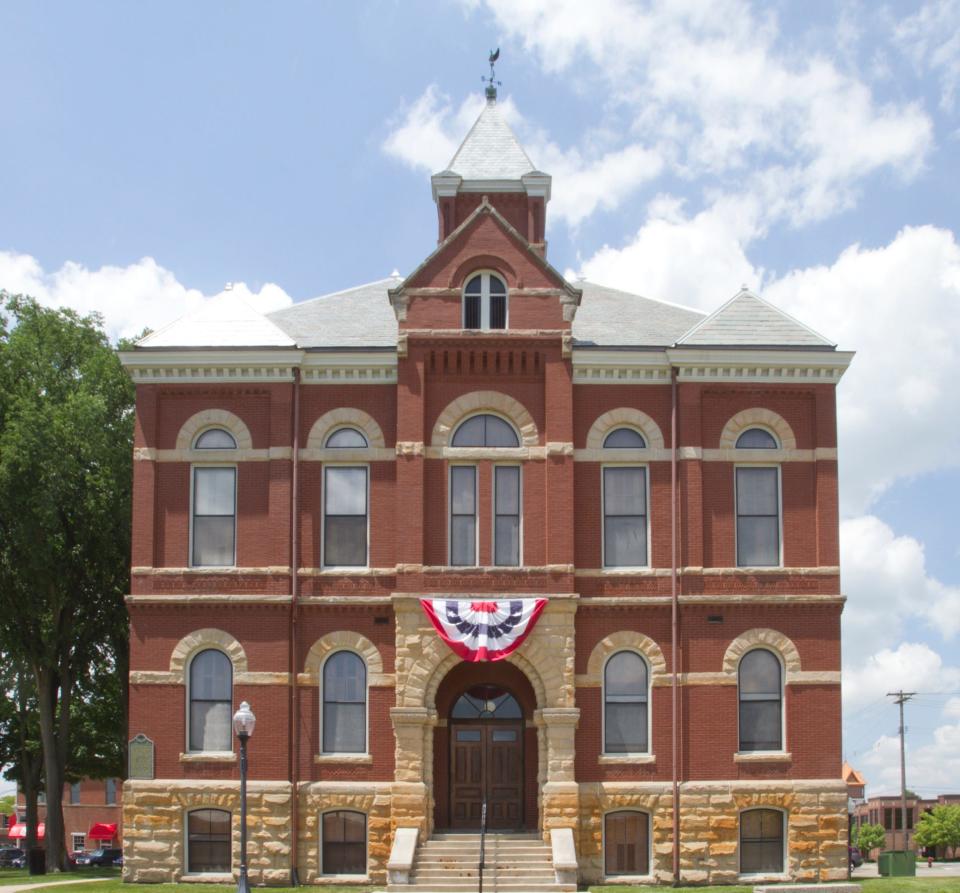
(486, 760)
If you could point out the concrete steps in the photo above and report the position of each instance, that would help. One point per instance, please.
(513, 863)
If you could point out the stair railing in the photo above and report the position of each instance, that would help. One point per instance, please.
(483, 845)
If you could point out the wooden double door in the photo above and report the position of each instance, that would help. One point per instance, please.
(486, 763)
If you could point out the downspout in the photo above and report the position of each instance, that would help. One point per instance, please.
(294, 712)
(674, 636)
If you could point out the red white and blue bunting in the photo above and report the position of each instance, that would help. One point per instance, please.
(483, 630)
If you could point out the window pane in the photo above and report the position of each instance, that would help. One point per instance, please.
(208, 840)
(624, 438)
(213, 541)
(498, 311)
(210, 725)
(470, 433)
(626, 843)
(624, 491)
(474, 286)
(507, 540)
(624, 542)
(214, 491)
(346, 438)
(760, 725)
(758, 542)
(756, 491)
(756, 439)
(508, 490)
(215, 439)
(761, 841)
(344, 728)
(463, 496)
(497, 287)
(498, 433)
(463, 540)
(760, 673)
(626, 674)
(211, 676)
(471, 311)
(346, 491)
(625, 726)
(345, 541)
(345, 678)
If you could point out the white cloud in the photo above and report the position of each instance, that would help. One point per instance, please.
(912, 666)
(933, 767)
(931, 39)
(129, 298)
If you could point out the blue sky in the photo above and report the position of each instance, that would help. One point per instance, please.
(154, 152)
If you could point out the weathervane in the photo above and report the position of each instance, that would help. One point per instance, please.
(489, 81)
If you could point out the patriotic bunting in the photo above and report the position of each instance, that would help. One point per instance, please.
(483, 630)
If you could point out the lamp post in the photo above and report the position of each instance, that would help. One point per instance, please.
(243, 724)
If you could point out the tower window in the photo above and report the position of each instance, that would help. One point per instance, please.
(485, 302)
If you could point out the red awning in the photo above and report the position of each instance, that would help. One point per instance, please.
(102, 831)
(19, 831)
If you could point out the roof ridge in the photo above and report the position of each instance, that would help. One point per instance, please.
(634, 294)
(334, 294)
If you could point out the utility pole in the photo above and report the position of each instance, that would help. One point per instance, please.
(901, 697)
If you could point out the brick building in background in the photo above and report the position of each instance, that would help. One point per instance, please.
(478, 432)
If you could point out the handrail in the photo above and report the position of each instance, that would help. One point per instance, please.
(483, 844)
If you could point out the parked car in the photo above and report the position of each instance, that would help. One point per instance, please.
(101, 856)
(856, 860)
(8, 855)
(20, 861)
(118, 862)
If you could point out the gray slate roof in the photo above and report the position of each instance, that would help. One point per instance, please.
(490, 150)
(746, 320)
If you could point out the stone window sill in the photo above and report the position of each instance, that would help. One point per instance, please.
(346, 758)
(763, 878)
(208, 878)
(627, 759)
(212, 756)
(342, 879)
(629, 879)
(762, 756)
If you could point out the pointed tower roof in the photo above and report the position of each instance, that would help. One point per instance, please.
(746, 320)
(490, 151)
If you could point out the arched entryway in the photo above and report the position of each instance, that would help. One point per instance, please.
(485, 749)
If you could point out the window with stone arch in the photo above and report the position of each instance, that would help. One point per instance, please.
(344, 698)
(208, 841)
(626, 701)
(485, 302)
(213, 516)
(760, 696)
(762, 835)
(210, 702)
(626, 843)
(758, 503)
(343, 842)
(345, 439)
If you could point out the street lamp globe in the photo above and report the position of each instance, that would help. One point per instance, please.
(244, 721)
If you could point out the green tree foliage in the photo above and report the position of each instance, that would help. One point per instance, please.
(939, 828)
(66, 427)
(868, 837)
(20, 749)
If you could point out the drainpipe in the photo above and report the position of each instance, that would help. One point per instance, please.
(674, 636)
(294, 711)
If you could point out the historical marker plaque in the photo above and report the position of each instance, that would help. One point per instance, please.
(140, 757)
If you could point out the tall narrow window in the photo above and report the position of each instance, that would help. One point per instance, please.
(214, 516)
(485, 302)
(626, 843)
(624, 517)
(761, 841)
(208, 841)
(506, 526)
(211, 701)
(344, 704)
(110, 791)
(625, 704)
(345, 516)
(463, 515)
(761, 712)
(758, 505)
(75, 793)
(344, 842)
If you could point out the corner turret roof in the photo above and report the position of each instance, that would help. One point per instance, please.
(490, 151)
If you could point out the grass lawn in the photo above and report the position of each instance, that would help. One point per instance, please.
(869, 885)
(10, 876)
(114, 885)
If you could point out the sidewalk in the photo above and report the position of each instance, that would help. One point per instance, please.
(39, 885)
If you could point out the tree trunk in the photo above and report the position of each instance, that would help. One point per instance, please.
(30, 795)
(47, 686)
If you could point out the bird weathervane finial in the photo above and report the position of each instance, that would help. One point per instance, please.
(491, 83)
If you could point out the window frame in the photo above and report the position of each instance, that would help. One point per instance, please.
(603, 708)
(485, 275)
(480, 414)
(186, 843)
(346, 427)
(603, 844)
(645, 467)
(188, 676)
(493, 513)
(349, 754)
(736, 513)
(213, 427)
(476, 512)
(783, 702)
(784, 851)
(194, 467)
(621, 427)
(73, 841)
(110, 793)
(323, 516)
(366, 843)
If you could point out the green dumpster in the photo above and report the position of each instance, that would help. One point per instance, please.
(897, 863)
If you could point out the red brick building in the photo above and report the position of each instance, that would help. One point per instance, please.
(480, 432)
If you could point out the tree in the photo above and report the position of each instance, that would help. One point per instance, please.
(66, 425)
(868, 838)
(20, 747)
(939, 828)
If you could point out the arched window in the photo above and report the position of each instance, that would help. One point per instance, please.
(344, 703)
(761, 841)
(761, 701)
(485, 302)
(346, 438)
(625, 697)
(486, 702)
(626, 843)
(624, 439)
(215, 439)
(208, 841)
(344, 842)
(485, 431)
(211, 701)
(758, 504)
